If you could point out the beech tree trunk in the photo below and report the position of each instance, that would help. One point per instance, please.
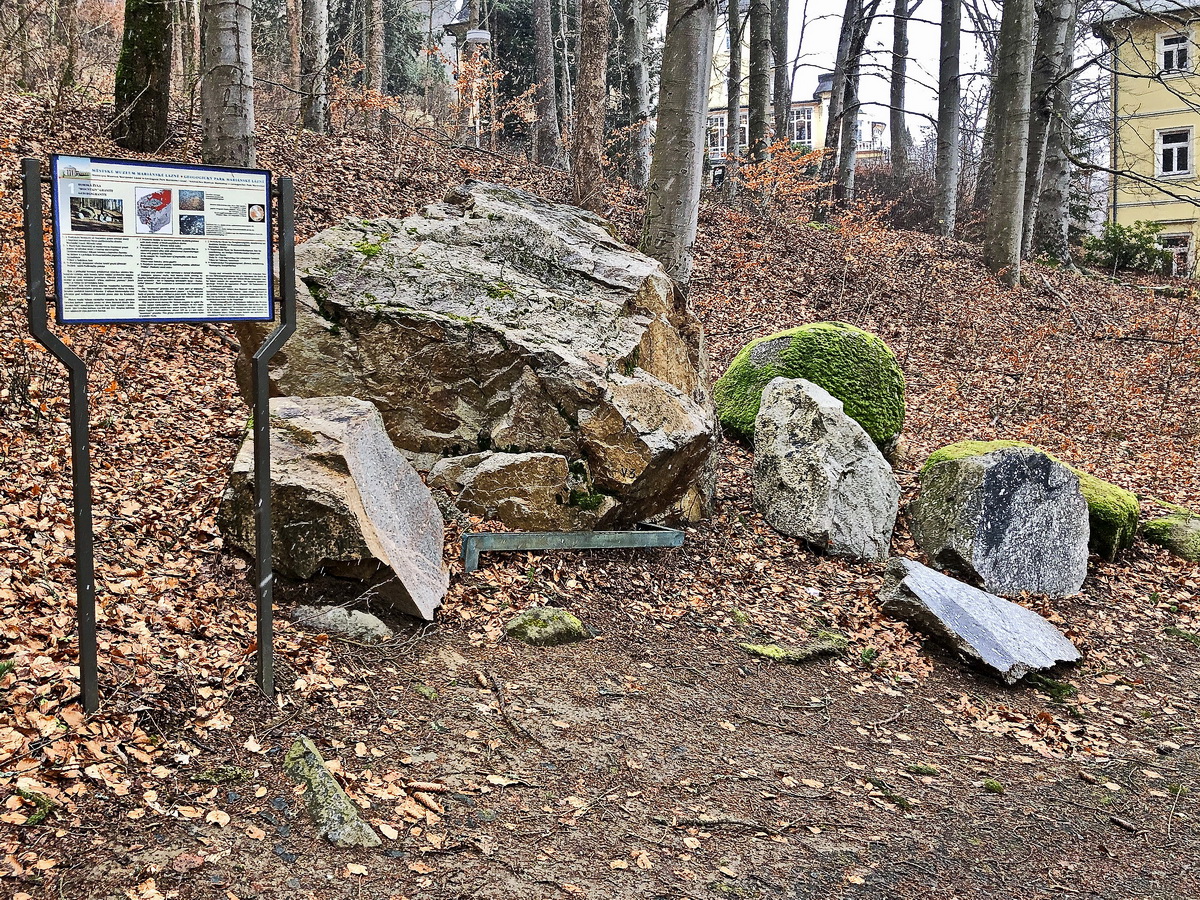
(1052, 221)
(142, 92)
(783, 83)
(899, 76)
(547, 138)
(733, 100)
(591, 103)
(227, 84)
(293, 18)
(1055, 19)
(373, 45)
(314, 65)
(677, 168)
(1010, 110)
(760, 76)
(635, 22)
(837, 92)
(949, 123)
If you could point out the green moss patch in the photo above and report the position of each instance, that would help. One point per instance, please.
(853, 365)
(824, 642)
(1178, 532)
(1112, 511)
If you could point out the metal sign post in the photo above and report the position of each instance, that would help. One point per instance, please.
(102, 208)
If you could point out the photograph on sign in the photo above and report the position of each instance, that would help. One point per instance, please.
(142, 241)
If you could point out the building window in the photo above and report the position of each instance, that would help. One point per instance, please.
(1174, 52)
(800, 125)
(1175, 152)
(744, 120)
(1180, 248)
(716, 137)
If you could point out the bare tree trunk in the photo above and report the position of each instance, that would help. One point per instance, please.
(635, 22)
(949, 124)
(677, 169)
(760, 76)
(783, 84)
(733, 100)
(1010, 109)
(373, 45)
(899, 77)
(314, 65)
(566, 98)
(547, 139)
(142, 92)
(293, 19)
(227, 85)
(587, 148)
(1055, 18)
(1052, 223)
(28, 78)
(847, 160)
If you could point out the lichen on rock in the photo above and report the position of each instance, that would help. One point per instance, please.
(1112, 511)
(546, 626)
(1178, 532)
(853, 365)
(335, 815)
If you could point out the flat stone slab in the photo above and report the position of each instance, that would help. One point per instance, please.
(335, 815)
(1007, 638)
(351, 623)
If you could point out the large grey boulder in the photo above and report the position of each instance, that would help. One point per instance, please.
(344, 502)
(1006, 638)
(819, 476)
(1013, 519)
(499, 322)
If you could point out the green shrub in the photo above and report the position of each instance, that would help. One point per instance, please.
(1133, 246)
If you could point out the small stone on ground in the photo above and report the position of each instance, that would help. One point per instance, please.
(546, 626)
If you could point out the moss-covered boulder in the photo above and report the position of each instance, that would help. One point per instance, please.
(1178, 532)
(1112, 511)
(853, 365)
(546, 626)
(335, 815)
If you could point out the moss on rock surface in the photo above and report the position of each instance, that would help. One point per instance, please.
(1178, 532)
(853, 365)
(546, 626)
(1112, 511)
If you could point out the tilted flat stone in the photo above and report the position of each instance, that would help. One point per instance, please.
(1007, 638)
(1014, 519)
(498, 322)
(818, 475)
(344, 502)
(350, 623)
(335, 815)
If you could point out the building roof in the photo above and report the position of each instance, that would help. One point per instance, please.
(1116, 10)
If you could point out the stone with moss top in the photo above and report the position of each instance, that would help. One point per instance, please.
(335, 814)
(823, 643)
(547, 626)
(853, 365)
(1112, 511)
(1178, 532)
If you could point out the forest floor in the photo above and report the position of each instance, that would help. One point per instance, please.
(657, 760)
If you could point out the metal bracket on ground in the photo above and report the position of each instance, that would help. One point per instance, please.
(474, 544)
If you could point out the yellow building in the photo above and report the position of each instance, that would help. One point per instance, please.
(1155, 50)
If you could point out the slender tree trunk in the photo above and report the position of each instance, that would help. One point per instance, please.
(677, 169)
(897, 125)
(468, 81)
(27, 79)
(1052, 223)
(847, 158)
(566, 97)
(1010, 108)
(587, 149)
(547, 138)
(760, 76)
(1055, 19)
(373, 38)
(635, 23)
(783, 84)
(227, 85)
(949, 123)
(837, 92)
(293, 19)
(314, 65)
(733, 100)
(142, 92)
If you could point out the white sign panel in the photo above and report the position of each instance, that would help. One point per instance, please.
(156, 242)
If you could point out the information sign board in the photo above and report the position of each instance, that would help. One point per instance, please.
(154, 242)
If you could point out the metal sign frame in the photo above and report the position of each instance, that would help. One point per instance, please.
(35, 271)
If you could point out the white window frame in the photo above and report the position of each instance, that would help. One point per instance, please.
(716, 125)
(1186, 238)
(1188, 46)
(1160, 147)
(801, 116)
